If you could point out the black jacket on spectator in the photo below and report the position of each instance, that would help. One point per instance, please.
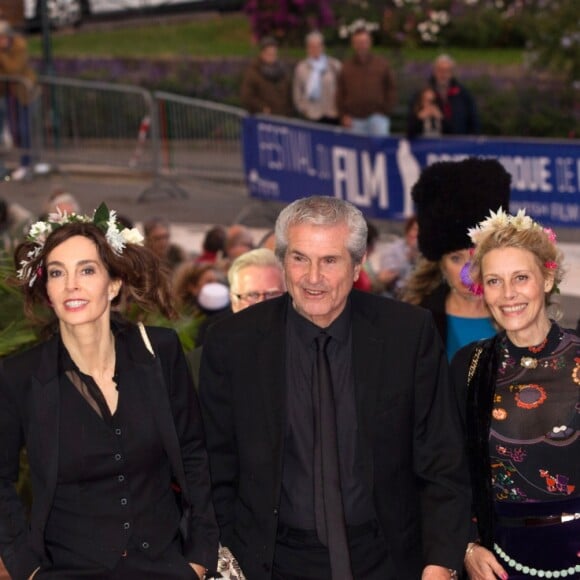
(459, 111)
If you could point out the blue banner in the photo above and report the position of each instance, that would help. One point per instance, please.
(285, 161)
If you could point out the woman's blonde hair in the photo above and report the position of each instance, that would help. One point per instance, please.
(426, 277)
(535, 239)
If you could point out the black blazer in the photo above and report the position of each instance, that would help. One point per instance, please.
(408, 424)
(29, 416)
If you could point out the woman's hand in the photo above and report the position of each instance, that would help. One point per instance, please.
(199, 570)
(432, 572)
(481, 564)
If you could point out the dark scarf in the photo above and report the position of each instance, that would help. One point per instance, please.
(272, 72)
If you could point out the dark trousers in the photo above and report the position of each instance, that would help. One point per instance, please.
(300, 556)
(133, 565)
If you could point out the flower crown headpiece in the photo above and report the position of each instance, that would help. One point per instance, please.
(495, 221)
(105, 219)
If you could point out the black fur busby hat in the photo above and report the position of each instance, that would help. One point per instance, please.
(451, 197)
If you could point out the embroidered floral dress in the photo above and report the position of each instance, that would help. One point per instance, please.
(535, 429)
(534, 448)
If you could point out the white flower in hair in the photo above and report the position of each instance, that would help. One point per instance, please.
(132, 236)
(39, 231)
(104, 219)
(501, 219)
(113, 235)
(521, 221)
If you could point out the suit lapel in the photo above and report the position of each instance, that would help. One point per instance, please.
(44, 425)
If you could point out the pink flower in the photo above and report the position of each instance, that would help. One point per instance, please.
(551, 234)
(551, 265)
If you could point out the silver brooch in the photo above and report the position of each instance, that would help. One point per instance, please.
(529, 362)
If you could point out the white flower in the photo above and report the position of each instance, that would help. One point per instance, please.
(132, 236)
(498, 220)
(521, 221)
(39, 231)
(115, 240)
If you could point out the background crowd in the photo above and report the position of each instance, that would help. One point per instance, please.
(359, 93)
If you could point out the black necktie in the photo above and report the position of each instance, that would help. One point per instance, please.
(328, 507)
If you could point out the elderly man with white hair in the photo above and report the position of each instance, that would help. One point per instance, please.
(255, 276)
(454, 100)
(314, 86)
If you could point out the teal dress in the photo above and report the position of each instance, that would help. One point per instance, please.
(462, 331)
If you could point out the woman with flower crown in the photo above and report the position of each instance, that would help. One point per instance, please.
(108, 415)
(522, 392)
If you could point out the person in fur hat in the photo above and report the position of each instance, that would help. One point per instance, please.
(451, 197)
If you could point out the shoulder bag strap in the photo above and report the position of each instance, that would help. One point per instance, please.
(145, 338)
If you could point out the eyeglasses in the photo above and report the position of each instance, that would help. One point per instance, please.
(253, 297)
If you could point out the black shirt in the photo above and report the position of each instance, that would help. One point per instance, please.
(114, 477)
(297, 497)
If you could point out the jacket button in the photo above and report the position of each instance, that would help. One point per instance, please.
(145, 545)
(275, 511)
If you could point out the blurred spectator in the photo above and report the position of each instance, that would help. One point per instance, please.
(314, 85)
(266, 83)
(213, 245)
(459, 108)
(214, 303)
(366, 89)
(268, 240)
(239, 240)
(14, 62)
(61, 200)
(214, 298)
(367, 279)
(14, 221)
(426, 118)
(255, 276)
(157, 239)
(398, 259)
(188, 280)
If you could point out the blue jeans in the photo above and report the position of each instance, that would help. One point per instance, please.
(376, 125)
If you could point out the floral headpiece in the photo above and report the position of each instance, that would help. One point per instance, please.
(105, 219)
(498, 220)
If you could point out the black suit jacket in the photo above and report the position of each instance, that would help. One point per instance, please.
(408, 423)
(29, 415)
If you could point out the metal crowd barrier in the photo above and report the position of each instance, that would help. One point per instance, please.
(94, 123)
(199, 137)
(114, 127)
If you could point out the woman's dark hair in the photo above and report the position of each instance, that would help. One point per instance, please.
(144, 281)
